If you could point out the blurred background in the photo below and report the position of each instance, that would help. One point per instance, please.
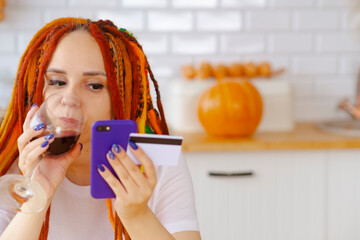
(312, 39)
(294, 182)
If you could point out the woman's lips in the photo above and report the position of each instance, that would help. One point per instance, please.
(69, 122)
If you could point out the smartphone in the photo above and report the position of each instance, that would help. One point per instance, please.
(103, 135)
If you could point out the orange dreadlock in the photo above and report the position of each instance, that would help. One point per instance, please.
(127, 72)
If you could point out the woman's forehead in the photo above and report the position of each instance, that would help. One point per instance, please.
(76, 50)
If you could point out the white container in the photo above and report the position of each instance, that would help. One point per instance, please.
(181, 105)
(277, 99)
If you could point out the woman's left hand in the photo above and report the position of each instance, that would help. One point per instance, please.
(135, 187)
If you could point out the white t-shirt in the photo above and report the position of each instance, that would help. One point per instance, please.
(75, 215)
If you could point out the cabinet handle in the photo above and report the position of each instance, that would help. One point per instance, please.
(231, 174)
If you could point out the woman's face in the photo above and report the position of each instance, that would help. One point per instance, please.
(77, 67)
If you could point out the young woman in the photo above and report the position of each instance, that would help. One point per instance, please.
(107, 69)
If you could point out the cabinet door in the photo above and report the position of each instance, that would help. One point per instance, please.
(344, 195)
(283, 199)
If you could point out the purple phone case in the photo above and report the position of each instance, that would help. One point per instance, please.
(101, 143)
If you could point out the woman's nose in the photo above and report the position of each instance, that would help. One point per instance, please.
(70, 100)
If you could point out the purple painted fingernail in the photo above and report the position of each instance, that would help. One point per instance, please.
(101, 167)
(39, 127)
(49, 136)
(116, 148)
(44, 144)
(111, 155)
(133, 145)
(35, 104)
(81, 146)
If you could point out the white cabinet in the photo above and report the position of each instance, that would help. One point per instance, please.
(283, 199)
(343, 195)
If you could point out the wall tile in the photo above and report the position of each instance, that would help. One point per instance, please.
(316, 20)
(21, 19)
(292, 3)
(340, 86)
(314, 65)
(131, 20)
(242, 43)
(243, 3)
(167, 67)
(153, 43)
(10, 62)
(334, 3)
(302, 85)
(41, 3)
(194, 44)
(218, 21)
(290, 43)
(5, 93)
(316, 109)
(52, 14)
(170, 21)
(194, 3)
(336, 42)
(267, 20)
(7, 42)
(23, 40)
(350, 65)
(347, 21)
(92, 3)
(144, 3)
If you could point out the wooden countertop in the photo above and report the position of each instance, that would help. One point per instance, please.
(304, 136)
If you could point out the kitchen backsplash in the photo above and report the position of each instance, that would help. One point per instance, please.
(313, 39)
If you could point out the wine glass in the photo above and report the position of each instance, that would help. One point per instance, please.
(62, 115)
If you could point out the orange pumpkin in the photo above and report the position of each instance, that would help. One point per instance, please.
(230, 108)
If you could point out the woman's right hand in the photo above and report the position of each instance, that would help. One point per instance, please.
(51, 170)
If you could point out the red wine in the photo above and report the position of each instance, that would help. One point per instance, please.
(61, 145)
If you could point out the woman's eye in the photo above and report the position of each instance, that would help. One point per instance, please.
(58, 83)
(96, 86)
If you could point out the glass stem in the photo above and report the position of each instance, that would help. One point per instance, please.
(34, 171)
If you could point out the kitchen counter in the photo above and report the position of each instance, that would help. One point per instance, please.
(305, 136)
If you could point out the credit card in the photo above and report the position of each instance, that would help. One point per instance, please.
(163, 150)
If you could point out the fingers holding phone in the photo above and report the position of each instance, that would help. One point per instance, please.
(132, 187)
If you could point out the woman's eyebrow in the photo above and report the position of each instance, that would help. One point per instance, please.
(55, 70)
(94, 73)
(87, 73)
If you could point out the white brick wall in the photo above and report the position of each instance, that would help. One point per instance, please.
(314, 40)
(144, 3)
(225, 21)
(7, 42)
(92, 3)
(292, 3)
(290, 43)
(267, 20)
(153, 44)
(334, 42)
(32, 3)
(194, 3)
(315, 65)
(241, 44)
(131, 20)
(191, 44)
(170, 21)
(316, 20)
(243, 3)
